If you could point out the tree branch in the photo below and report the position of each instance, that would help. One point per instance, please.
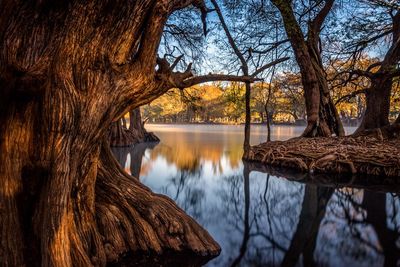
(217, 77)
(274, 45)
(317, 22)
(351, 95)
(229, 36)
(268, 65)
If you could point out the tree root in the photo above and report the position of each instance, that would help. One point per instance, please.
(371, 155)
(141, 228)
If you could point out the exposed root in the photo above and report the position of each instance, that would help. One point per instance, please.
(143, 228)
(372, 155)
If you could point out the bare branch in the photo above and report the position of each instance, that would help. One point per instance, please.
(176, 62)
(274, 46)
(268, 65)
(217, 77)
(317, 22)
(351, 95)
(229, 36)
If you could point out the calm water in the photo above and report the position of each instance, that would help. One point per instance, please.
(261, 219)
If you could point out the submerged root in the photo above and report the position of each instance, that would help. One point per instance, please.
(370, 155)
(140, 227)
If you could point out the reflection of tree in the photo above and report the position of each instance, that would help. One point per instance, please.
(345, 216)
(185, 189)
(262, 220)
(375, 206)
(256, 233)
(136, 153)
(193, 148)
(312, 212)
(246, 224)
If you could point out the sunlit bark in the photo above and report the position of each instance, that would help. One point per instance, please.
(68, 70)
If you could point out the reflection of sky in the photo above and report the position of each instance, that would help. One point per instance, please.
(200, 167)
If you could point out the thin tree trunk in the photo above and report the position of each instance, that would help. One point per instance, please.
(268, 120)
(267, 102)
(246, 144)
(246, 222)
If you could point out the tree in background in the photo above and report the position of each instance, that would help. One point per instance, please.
(382, 29)
(244, 67)
(322, 116)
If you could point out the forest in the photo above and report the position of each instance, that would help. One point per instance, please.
(79, 78)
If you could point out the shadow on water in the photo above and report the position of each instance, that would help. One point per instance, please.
(275, 217)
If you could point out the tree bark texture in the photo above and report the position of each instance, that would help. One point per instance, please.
(377, 105)
(68, 70)
(322, 116)
(378, 94)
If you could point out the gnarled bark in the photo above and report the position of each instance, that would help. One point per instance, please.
(120, 136)
(377, 105)
(139, 225)
(68, 70)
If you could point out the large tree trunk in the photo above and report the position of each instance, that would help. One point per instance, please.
(314, 79)
(121, 136)
(322, 116)
(66, 73)
(378, 95)
(136, 125)
(377, 105)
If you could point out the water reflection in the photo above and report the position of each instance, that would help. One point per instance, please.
(131, 157)
(260, 219)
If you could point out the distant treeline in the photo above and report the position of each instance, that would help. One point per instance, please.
(282, 100)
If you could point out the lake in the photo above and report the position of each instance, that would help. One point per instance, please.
(260, 219)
